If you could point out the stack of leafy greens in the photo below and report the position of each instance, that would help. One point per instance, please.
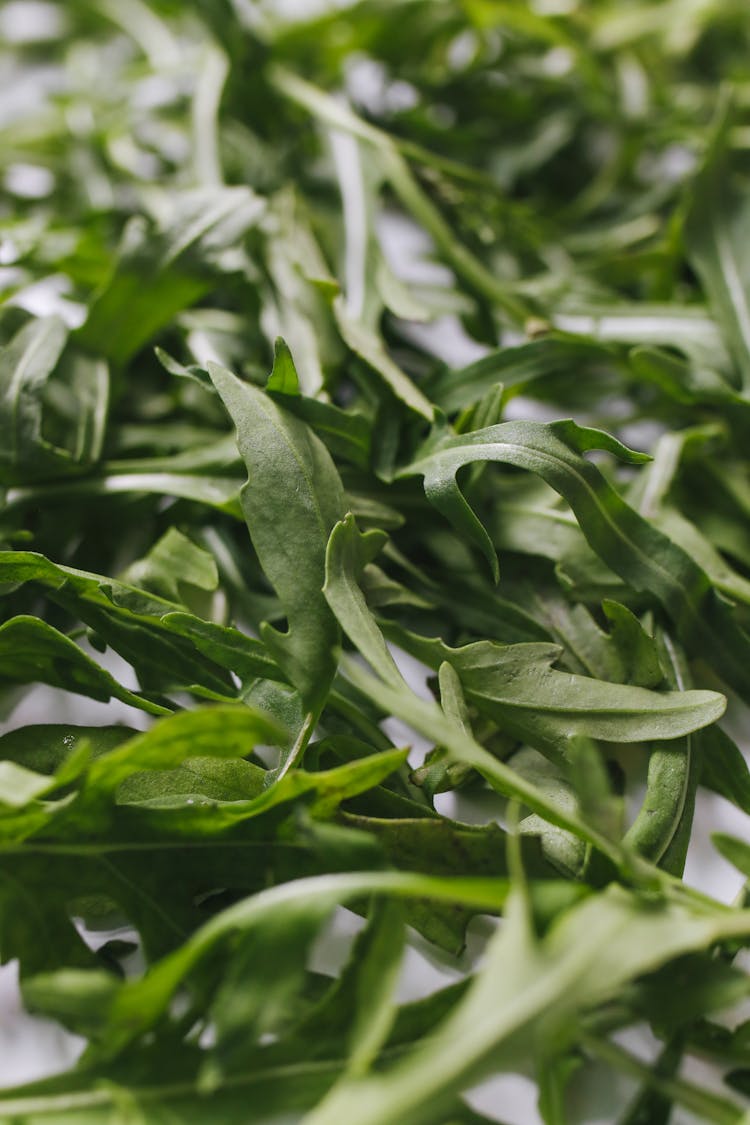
(243, 261)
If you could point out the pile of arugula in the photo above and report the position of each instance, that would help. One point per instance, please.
(186, 183)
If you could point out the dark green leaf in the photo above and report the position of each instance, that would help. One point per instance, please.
(632, 547)
(291, 501)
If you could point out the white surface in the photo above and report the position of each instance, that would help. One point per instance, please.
(29, 1048)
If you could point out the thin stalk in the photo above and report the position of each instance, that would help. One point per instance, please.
(337, 116)
(297, 752)
(205, 116)
(706, 1107)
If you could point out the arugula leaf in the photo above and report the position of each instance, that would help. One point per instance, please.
(291, 501)
(346, 551)
(140, 1003)
(26, 364)
(166, 645)
(174, 559)
(517, 685)
(715, 233)
(33, 652)
(579, 962)
(632, 547)
(162, 268)
(442, 228)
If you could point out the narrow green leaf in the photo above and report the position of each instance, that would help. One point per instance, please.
(140, 1003)
(26, 365)
(389, 691)
(519, 687)
(213, 491)
(174, 560)
(224, 732)
(724, 768)
(168, 647)
(736, 851)
(33, 652)
(526, 988)
(632, 547)
(716, 232)
(283, 379)
(165, 267)
(291, 501)
(369, 347)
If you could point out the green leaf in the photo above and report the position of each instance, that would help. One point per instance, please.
(686, 990)
(530, 987)
(224, 732)
(736, 851)
(75, 997)
(716, 234)
(283, 379)
(631, 546)
(210, 801)
(519, 687)
(19, 785)
(173, 560)
(372, 978)
(724, 769)
(347, 552)
(33, 652)
(515, 368)
(26, 365)
(164, 267)
(228, 647)
(635, 647)
(168, 647)
(46, 747)
(368, 346)
(662, 827)
(216, 492)
(258, 994)
(291, 501)
(437, 846)
(140, 1003)
(147, 1086)
(347, 555)
(346, 434)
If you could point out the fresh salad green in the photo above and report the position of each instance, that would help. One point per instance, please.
(412, 334)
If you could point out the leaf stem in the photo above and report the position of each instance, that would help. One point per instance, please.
(297, 752)
(205, 110)
(402, 180)
(707, 1107)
